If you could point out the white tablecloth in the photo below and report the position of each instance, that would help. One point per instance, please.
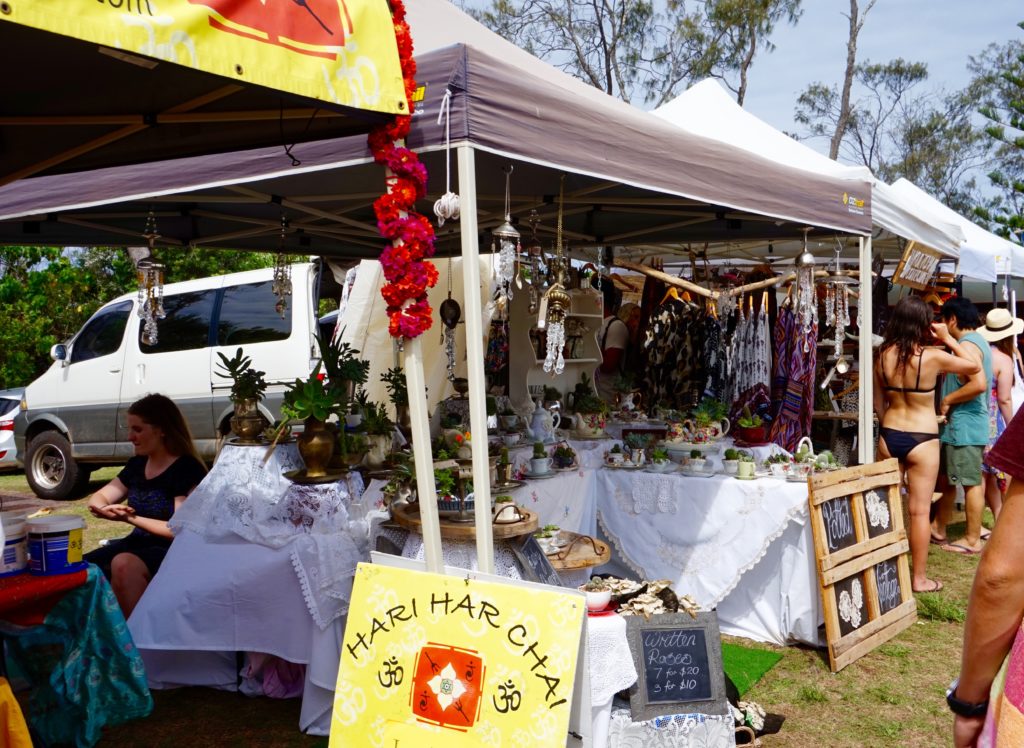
(731, 544)
(258, 564)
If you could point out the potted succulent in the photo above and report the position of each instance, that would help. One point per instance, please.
(825, 460)
(379, 430)
(564, 456)
(745, 466)
(615, 455)
(778, 464)
(360, 404)
(312, 402)
(540, 463)
(547, 537)
(731, 461)
(697, 461)
(598, 592)
(247, 389)
(709, 420)
(591, 415)
(508, 419)
(660, 460)
(749, 427)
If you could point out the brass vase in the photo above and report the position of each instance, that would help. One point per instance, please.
(248, 423)
(316, 445)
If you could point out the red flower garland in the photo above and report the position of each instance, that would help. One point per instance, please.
(407, 270)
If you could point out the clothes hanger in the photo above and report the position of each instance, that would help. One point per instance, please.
(671, 293)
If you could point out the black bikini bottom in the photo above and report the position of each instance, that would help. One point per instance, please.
(901, 443)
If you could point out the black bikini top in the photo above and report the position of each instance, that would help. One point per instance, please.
(917, 382)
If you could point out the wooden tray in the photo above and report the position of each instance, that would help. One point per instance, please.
(582, 552)
(408, 516)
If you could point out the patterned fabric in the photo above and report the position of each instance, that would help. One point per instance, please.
(85, 669)
(750, 356)
(715, 377)
(672, 731)
(796, 404)
(674, 349)
(1004, 723)
(996, 427)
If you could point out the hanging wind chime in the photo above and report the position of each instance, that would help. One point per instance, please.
(282, 283)
(837, 308)
(150, 276)
(507, 239)
(555, 303)
(806, 293)
(450, 312)
(535, 251)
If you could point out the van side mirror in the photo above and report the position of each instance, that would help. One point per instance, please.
(59, 352)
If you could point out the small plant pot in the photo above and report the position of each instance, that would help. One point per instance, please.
(564, 462)
(745, 469)
(508, 422)
(779, 469)
(597, 599)
(752, 434)
(697, 464)
(731, 467)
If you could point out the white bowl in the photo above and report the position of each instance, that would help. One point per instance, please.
(731, 466)
(597, 599)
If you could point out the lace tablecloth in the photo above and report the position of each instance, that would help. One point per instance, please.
(704, 534)
(676, 731)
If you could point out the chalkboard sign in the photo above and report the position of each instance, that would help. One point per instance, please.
(887, 580)
(877, 512)
(838, 517)
(678, 662)
(535, 563)
(849, 594)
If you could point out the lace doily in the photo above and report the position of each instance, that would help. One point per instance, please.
(674, 731)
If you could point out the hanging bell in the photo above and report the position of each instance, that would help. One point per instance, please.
(450, 312)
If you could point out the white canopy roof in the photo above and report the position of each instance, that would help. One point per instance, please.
(984, 255)
(707, 109)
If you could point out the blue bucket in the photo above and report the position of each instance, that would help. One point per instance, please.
(55, 544)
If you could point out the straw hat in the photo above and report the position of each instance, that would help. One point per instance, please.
(999, 324)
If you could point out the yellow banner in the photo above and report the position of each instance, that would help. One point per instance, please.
(432, 661)
(336, 51)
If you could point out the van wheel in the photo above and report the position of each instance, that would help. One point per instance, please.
(50, 469)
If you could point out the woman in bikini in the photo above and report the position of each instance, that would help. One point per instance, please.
(906, 375)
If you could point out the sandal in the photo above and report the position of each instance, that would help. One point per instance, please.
(960, 549)
(936, 586)
(985, 533)
(937, 541)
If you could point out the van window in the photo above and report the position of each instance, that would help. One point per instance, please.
(102, 335)
(187, 324)
(247, 315)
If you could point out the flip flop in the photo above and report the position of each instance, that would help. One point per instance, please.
(937, 541)
(936, 587)
(960, 549)
(985, 534)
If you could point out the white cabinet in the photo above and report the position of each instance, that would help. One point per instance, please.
(527, 346)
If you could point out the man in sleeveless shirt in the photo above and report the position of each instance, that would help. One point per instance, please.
(965, 435)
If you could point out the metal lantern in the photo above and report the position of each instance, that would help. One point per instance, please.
(507, 240)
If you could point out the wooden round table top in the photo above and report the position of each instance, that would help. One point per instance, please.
(408, 516)
(581, 552)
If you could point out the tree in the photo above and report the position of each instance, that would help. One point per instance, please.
(639, 50)
(999, 80)
(47, 294)
(856, 20)
(896, 130)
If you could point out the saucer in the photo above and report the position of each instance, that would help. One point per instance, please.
(608, 610)
(622, 466)
(697, 473)
(536, 476)
(299, 476)
(746, 477)
(508, 486)
(669, 468)
(796, 478)
(570, 469)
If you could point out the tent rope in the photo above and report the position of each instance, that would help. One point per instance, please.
(447, 206)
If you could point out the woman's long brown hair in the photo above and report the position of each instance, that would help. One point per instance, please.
(909, 327)
(160, 411)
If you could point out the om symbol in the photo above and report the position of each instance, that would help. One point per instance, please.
(392, 671)
(510, 698)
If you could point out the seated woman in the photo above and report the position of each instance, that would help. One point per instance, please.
(906, 375)
(164, 470)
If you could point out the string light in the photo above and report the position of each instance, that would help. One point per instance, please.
(150, 277)
(282, 282)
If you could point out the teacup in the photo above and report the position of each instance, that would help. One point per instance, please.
(616, 458)
(510, 440)
(779, 469)
(745, 469)
(540, 465)
(731, 467)
(508, 421)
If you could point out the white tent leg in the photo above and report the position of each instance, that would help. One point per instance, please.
(865, 423)
(475, 360)
(416, 383)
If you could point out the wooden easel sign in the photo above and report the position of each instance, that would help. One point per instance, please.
(861, 549)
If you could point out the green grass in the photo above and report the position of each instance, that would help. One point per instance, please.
(933, 606)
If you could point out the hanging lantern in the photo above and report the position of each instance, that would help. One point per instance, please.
(282, 282)
(150, 277)
(507, 239)
(556, 302)
(450, 313)
(535, 252)
(806, 293)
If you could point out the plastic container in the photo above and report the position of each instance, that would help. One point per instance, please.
(14, 559)
(55, 544)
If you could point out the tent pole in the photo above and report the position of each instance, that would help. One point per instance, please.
(416, 382)
(865, 424)
(475, 360)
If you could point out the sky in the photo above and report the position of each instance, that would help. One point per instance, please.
(941, 33)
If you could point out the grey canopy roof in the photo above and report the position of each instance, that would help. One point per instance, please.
(632, 178)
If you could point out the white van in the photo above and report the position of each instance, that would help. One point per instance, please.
(73, 417)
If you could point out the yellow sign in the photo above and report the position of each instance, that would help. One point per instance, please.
(433, 661)
(337, 51)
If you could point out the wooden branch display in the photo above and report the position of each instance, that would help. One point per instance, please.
(861, 548)
(666, 278)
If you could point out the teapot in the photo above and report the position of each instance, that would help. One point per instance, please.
(706, 433)
(542, 424)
